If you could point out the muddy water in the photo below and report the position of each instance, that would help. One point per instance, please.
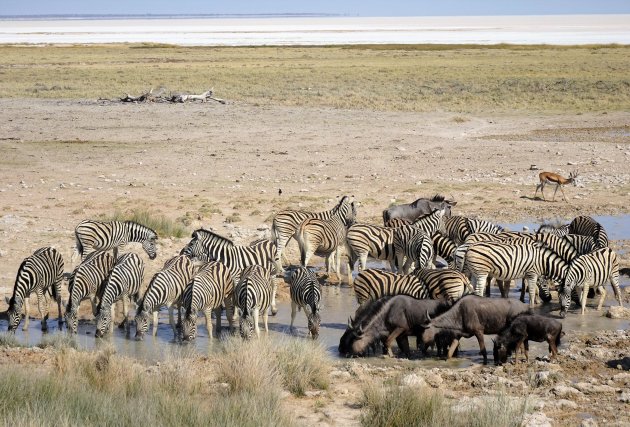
(338, 303)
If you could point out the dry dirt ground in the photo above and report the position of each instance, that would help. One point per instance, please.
(63, 161)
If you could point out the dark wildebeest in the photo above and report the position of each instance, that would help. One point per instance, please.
(475, 316)
(420, 207)
(527, 327)
(388, 319)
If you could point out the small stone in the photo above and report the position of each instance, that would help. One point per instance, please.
(313, 393)
(566, 404)
(413, 380)
(537, 419)
(624, 397)
(588, 422)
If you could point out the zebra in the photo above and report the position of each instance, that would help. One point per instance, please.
(397, 222)
(287, 223)
(451, 284)
(87, 282)
(587, 226)
(306, 293)
(444, 248)
(429, 224)
(363, 240)
(165, 289)
(94, 236)
(211, 288)
(583, 244)
(207, 245)
(373, 284)
(124, 284)
(559, 231)
(591, 270)
(458, 228)
(413, 244)
(325, 237)
(42, 273)
(254, 294)
(509, 261)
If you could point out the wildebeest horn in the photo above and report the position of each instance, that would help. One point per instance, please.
(428, 317)
(349, 322)
(360, 330)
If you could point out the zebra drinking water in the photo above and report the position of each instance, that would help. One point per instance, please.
(41, 273)
(165, 289)
(254, 294)
(124, 284)
(87, 281)
(306, 294)
(211, 288)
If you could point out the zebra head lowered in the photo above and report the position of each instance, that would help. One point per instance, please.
(14, 312)
(142, 324)
(103, 320)
(189, 326)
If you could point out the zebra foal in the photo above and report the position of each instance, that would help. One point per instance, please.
(87, 282)
(591, 270)
(211, 288)
(306, 294)
(254, 294)
(165, 289)
(124, 284)
(286, 224)
(41, 273)
(94, 236)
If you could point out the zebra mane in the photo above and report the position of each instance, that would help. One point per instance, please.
(137, 224)
(202, 233)
(343, 200)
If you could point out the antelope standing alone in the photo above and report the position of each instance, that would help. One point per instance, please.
(554, 178)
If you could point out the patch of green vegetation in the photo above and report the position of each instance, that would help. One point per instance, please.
(162, 225)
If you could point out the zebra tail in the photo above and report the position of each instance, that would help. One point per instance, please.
(560, 335)
(274, 235)
(79, 245)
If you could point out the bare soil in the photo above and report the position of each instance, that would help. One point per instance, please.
(221, 166)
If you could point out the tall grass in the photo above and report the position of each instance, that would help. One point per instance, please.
(414, 406)
(9, 340)
(303, 365)
(162, 225)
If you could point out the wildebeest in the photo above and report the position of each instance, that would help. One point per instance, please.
(475, 316)
(388, 319)
(527, 327)
(422, 206)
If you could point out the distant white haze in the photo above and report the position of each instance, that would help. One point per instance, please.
(545, 29)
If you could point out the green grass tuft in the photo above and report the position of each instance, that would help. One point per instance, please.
(163, 226)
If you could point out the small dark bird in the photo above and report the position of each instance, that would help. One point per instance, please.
(279, 191)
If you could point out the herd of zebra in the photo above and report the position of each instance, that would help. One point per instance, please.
(212, 274)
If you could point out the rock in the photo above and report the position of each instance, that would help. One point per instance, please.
(592, 388)
(537, 419)
(562, 391)
(434, 380)
(588, 422)
(413, 380)
(566, 404)
(624, 397)
(313, 393)
(617, 312)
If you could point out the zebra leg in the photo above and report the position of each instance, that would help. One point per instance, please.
(171, 319)
(293, 312)
(274, 290)
(208, 315)
(155, 322)
(531, 283)
(390, 340)
(602, 298)
(113, 316)
(229, 312)
(125, 304)
(42, 307)
(584, 296)
(26, 314)
(614, 282)
(255, 315)
(480, 284)
(523, 288)
(452, 348)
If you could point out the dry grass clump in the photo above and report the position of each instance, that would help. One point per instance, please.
(163, 226)
(58, 340)
(303, 364)
(418, 406)
(9, 340)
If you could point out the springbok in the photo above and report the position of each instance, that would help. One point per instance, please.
(554, 178)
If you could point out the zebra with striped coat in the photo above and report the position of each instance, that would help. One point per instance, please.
(306, 293)
(397, 222)
(366, 240)
(559, 231)
(207, 245)
(373, 284)
(458, 228)
(254, 294)
(444, 282)
(87, 282)
(509, 261)
(40, 273)
(124, 284)
(444, 248)
(92, 236)
(165, 289)
(287, 223)
(591, 270)
(211, 288)
(587, 226)
(325, 237)
(414, 241)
